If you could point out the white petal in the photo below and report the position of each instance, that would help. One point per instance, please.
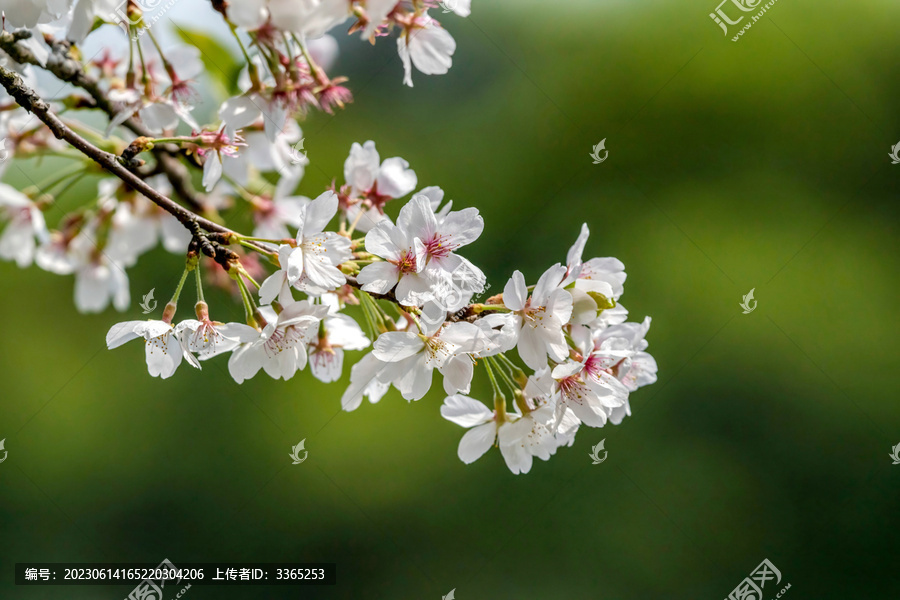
(515, 293)
(378, 278)
(430, 50)
(120, 333)
(465, 411)
(395, 178)
(319, 212)
(394, 346)
(476, 442)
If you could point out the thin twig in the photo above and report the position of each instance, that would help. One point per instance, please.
(67, 69)
(28, 99)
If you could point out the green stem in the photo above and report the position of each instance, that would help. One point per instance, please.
(313, 68)
(480, 308)
(248, 301)
(503, 375)
(199, 285)
(166, 64)
(518, 374)
(370, 322)
(175, 296)
(250, 279)
(248, 244)
(252, 70)
(145, 75)
(498, 393)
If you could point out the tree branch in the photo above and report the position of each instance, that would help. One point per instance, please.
(28, 99)
(67, 69)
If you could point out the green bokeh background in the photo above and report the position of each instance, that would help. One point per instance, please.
(759, 164)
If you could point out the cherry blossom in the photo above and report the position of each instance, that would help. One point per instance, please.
(541, 317)
(322, 282)
(428, 46)
(313, 264)
(339, 332)
(280, 348)
(26, 227)
(414, 356)
(208, 338)
(163, 350)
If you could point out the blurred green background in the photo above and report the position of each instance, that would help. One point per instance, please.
(759, 164)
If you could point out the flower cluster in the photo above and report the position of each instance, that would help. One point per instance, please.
(345, 271)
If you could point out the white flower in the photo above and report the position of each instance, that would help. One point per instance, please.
(26, 224)
(28, 13)
(437, 240)
(242, 111)
(426, 45)
(280, 349)
(413, 356)
(463, 8)
(99, 277)
(378, 182)
(338, 333)
(401, 267)
(540, 319)
(138, 225)
(309, 18)
(609, 270)
(313, 265)
(276, 214)
(527, 437)
(99, 282)
(590, 401)
(637, 368)
(520, 438)
(86, 11)
(209, 338)
(366, 174)
(364, 381)
(163, 350)
(277, 284)
(470, 413)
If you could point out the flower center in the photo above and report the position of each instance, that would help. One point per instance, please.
(283, 339)
(438, 246)
(407, 262)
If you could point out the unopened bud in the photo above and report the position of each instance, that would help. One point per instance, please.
(169, 313)
(202, 311)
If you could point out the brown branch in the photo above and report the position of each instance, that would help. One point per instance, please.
(28, 99)
(469, 313)
(67, 69)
